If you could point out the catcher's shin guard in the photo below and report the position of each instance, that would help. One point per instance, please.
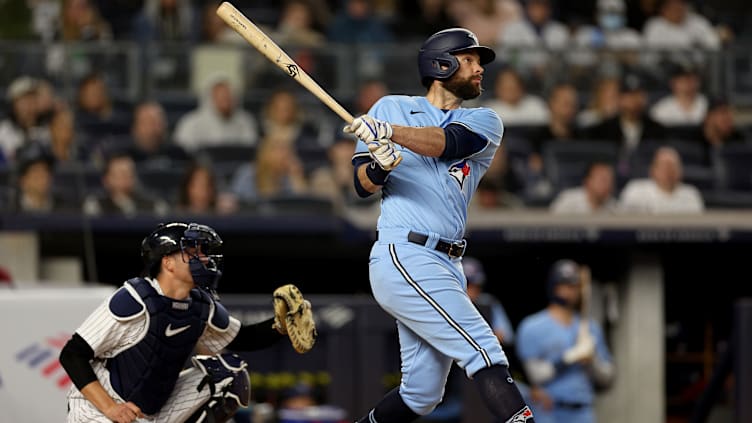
(229, 386)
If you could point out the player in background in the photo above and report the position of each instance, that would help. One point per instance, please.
(126, 360)
(562, 364)
(427, 154)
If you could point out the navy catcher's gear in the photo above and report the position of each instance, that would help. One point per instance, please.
(146, 372)
(436, 57)
(228, 382)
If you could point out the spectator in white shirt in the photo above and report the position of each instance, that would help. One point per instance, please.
(513, 104)
(595, 195)
(218, 120)
(663, 192)
(678, 27)
(538, 30)
(686, 105)
(611, 30)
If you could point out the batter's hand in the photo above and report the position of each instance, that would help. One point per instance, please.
(386, 156)
(369, 129)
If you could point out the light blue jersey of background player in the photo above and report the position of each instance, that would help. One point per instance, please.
(559, 364)
(427, 156)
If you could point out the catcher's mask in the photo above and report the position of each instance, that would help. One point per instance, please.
(200, 243)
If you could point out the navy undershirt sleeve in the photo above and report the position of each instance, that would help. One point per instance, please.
(461, 142)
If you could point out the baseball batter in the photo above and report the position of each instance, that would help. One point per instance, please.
(426, 155)
(563, 362)
(126, 360)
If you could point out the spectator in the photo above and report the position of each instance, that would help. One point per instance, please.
(333, 180)
(611, 30)
(498, 187)
(214, 29)
(663, 192)
(604, 103)
(356, 23)
(35, 182)
(686, 105)
(565, 359)
(122, 194)
(21, 126)
(632, 125)
(282, 116)
(297, 26)
(487, 19)
(368, 93)
(199, 193)
(81, 21)
(48, 102)
(218, 120)
(96, 114)
(538, 30)
(167, 20)
(677, 27)
(718, 129)
(563, 106)
(596, 195)
(150, 143)
(65, 144)
(422, 17)
(513, 104)
(277, 171)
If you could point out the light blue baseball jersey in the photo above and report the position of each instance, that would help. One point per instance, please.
(541, 337)
(424, 289)
(429, 194)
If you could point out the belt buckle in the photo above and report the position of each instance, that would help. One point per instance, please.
(457, 249)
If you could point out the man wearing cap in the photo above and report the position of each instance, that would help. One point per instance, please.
(21, 125)
(564, 364)
(631, 125)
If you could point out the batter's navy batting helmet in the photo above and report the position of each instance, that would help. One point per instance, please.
(177, 236)
(562, 271)
(436, 57)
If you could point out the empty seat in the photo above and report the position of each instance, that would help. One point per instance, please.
(162, 182)
(735, 167)
(565, 162)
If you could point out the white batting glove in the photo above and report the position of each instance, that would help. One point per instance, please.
(369, 129)
(583, 350)
(386, 156)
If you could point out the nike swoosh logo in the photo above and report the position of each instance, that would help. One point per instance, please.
(171, 332)
(415, 112)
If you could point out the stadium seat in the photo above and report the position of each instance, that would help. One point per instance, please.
(296, 204)
(565, 162)
(163, 182)
(736, 169)
(73, 182)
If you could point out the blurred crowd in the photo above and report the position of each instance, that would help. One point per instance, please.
(620, 132)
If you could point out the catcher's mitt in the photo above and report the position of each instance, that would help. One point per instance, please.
(293, 317)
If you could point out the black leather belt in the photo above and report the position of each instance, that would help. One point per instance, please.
(452, 249)
(571, 405)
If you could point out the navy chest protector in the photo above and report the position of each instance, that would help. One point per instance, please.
(146, 373)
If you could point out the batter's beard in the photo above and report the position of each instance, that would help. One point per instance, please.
(463, 88)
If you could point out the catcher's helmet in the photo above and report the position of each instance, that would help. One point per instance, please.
(436, 56)
(190, 238)
(473, 270)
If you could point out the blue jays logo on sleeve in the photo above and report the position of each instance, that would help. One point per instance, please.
(459, 171)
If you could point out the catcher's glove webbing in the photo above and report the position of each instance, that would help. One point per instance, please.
(293, 317)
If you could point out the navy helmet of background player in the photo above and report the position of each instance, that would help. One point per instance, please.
(427, 155)
(126, 359)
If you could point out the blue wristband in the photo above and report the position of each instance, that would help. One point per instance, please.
(376, 174)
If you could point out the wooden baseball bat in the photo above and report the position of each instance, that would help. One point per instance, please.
(585, 280)
(258, 39)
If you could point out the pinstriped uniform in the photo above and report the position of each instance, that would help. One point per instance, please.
(107, 336)
(424, 289)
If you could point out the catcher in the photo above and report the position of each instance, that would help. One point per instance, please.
(126, 360)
